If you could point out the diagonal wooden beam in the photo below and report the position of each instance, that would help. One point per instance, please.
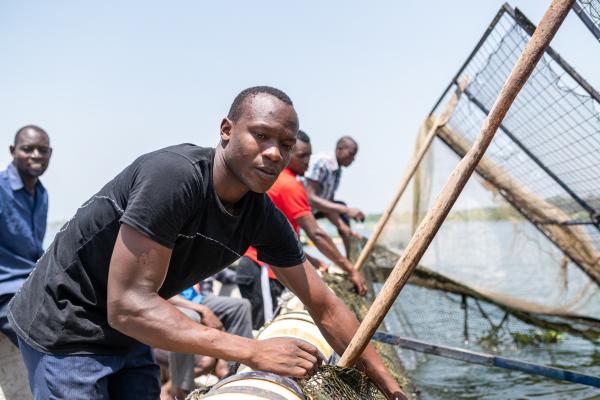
(426, 231)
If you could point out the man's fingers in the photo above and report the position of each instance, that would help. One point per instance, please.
(299, 372)
(309, 348)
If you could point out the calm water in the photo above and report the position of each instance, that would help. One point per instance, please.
(508, 258)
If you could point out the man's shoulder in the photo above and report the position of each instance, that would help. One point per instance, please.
(190, 152)
(325, 160)
(179, 161)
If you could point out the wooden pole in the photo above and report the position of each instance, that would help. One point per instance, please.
(410, 171)
(413, 252)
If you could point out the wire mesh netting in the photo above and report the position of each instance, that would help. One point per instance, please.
(545, 155)
(589, 12)
(515, 268)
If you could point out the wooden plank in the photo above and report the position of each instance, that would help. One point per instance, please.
(426, 231)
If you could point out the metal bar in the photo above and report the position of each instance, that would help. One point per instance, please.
(536, 160)
(566, 222)
(489, 360)
(586, 20)
(529, 27)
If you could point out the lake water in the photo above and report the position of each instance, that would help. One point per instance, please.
(505, 257)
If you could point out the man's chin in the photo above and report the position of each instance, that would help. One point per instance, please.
(36, 172)
(260, 187)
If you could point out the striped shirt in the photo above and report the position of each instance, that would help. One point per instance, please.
(325, 170)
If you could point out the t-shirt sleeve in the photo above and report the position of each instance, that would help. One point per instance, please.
(165, 193)
(276, 242)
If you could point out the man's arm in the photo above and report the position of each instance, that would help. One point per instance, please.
(318, 264)
(137, 270)
(313, 192)
(326, 246)
(336, 322)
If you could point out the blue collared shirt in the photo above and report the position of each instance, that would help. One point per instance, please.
(22, 229)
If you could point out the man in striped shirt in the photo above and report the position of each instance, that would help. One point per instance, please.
(322, 179)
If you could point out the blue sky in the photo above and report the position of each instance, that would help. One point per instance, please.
(112, 80)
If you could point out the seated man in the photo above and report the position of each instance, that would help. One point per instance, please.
(200, 304)
(322, 180)
(288, 194)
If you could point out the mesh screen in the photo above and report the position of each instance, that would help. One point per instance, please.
(505, 273)
(589, 12)
(549, 141)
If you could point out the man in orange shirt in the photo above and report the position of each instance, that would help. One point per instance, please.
(289, 196)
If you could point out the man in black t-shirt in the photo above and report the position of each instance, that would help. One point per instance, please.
(97, 298)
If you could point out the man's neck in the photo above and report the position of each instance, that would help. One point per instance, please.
(228, 188)
(29, 182)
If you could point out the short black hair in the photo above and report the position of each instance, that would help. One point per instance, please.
(346, 141)
(235, 111)
(26, 128)
(302, 136)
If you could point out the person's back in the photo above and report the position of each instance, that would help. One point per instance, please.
(83, 247)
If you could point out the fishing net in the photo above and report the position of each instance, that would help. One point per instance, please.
(589, 12)
(515, 268)
(337, 383)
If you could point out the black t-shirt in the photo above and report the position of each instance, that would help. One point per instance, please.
(167, 195)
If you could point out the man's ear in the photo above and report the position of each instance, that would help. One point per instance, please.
(226, 127)
(12, 150)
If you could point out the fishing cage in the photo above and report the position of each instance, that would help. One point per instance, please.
(589, 12)
(515, 268)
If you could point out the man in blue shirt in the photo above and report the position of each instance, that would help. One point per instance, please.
(23, 211)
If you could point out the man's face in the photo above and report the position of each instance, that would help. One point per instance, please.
(346, 154)
(300, 157)
(31, 154)
(258, 146)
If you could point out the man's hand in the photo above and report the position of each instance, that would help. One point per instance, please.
(355, 214)
(337, 323)
(358, 282)
(210, 319)
(287, 357)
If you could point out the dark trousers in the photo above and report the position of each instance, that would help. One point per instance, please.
(92, 377)
(4, 324)
(248, 280)
(344, 217)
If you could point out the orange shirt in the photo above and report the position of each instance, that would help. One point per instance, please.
(290, 198)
